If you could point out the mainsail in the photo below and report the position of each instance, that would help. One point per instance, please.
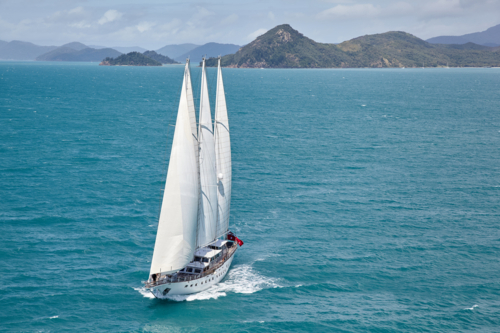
(207, 217)
(223, 157)
(176, 237)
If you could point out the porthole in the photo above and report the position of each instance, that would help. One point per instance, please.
(196, 284)
(186, 286)
(190, 285)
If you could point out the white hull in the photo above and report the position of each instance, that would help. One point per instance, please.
(193, 286)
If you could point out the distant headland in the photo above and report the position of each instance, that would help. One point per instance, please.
(284, 47)
(75, 51)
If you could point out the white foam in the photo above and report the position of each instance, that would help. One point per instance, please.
(240, 280)
(53, 317)
(474, 306)
(144, 292)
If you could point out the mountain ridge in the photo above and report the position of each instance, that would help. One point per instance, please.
(128, 49)
(19, 50)
(159, 57)
(75, 46)
(209, 50)
(489, 37)
(77, 52)
(284, 47)
(174, 50)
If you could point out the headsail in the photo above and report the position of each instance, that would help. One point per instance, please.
(223, 157)
(207, 217)
(176, 237)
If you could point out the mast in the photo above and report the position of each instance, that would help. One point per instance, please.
(207, 217)
(176, 236)
(223, 157)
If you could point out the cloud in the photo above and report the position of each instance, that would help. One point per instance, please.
(398, 9)
(77, 10)
(80, 24)
(295, 15)
(110, 16)
(442, 8)
(350, 11)
(65, 16)
(145, 26)
(156, 23)
(230, 19)
(256, 33)
(201, 13)
(170, 27)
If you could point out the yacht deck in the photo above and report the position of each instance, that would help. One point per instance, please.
(182, 277)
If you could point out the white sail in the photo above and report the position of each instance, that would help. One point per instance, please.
(192, 111)
(223, 157)
(207, 217)
(176, 237)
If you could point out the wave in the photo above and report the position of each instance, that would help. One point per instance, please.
(144, 292)
(472, 308)
(241, 279)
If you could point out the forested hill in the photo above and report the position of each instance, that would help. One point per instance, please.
(130, 59)
(284, 47)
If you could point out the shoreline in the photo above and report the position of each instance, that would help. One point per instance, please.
(316, 68)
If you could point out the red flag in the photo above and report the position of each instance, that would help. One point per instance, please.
(232, 237)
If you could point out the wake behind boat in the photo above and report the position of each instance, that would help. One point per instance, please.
(194, 248)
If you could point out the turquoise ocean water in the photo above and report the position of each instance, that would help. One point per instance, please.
(368, 200)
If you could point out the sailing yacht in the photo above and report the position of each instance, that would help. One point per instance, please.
(194, 247)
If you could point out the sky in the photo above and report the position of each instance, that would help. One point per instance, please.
(153, 24)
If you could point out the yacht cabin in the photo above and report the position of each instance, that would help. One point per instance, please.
(206, 255)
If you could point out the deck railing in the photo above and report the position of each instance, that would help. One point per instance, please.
(212, 267)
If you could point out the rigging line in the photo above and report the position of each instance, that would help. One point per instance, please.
(164, 164)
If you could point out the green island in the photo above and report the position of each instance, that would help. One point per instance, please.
(130, 59)
(284, 47)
